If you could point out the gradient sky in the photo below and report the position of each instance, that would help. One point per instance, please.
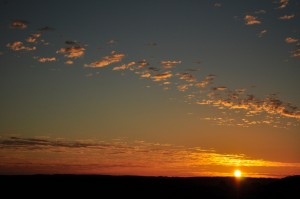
(176, 88)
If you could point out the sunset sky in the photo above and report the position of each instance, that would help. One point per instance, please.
(162, 87)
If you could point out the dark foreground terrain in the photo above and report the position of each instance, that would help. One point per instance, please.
(98, 186)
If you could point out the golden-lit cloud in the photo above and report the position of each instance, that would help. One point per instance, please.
(283, 4)
(291, 40)
(207, 80)
(45, 155)
(251, 20)
(186, 76)
(72, 52)
(220, 88)
(287, 17)
(124, 66)
(169, 64)
(162, 76)
(33, 38)
(19, 46)
(69, 62)
(46, 59)
(20, 24)
(107, 60)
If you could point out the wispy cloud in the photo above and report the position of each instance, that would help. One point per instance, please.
(291, 40)
(124, 66)
(218, 5)
(19, 46)
(20, 24)
(260, 12)
(45, 155)
(169, 64)
(262, 33)
(107, 60)
(251, 20)
(287, 17)
(46, 59)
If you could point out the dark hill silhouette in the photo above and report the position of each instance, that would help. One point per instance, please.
(103, 186)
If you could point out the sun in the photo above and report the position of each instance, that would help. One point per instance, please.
(237, 173)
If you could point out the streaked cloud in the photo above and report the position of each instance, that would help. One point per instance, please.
(287, 17)
(251, 20)
(19, 46)
(124, 66)
(169, 64)
(46, 59)
(20, 24)
(45, 155)
(162, 76)
(220, 88)
(260, 12)
(107, 60)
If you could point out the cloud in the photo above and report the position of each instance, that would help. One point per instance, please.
(186, 76)
(141, 64)
(184, 87)
(107, 60)
(124, 66)
(162, 76)
(291, 40)
(46, 28)
(33, 37)
(287, 17)
(260, 12)
(69, 62)
(20, 24)
(220, 88)
(45, 155)
(46, 59)
(296, 53)
(19, 46)
(207, 80)
(217, 5)
(262, 33)
(251, 20)
(72, 52)
(283, 4)
(169, 64)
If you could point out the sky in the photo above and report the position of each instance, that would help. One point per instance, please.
(172, 88)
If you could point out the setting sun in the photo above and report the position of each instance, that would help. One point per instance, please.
(237, 173)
